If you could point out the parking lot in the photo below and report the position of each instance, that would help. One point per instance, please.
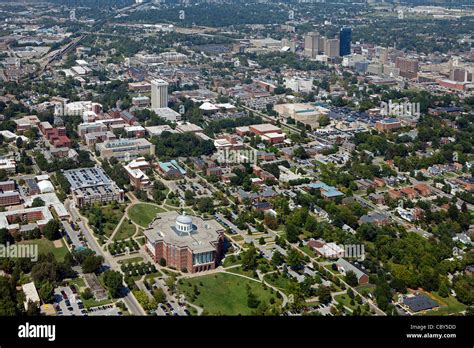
(67, 302)
(105, 310)
(172, 308)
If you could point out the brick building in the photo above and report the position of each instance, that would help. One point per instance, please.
(185, 242)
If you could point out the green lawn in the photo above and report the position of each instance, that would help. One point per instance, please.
(279, 281)
(447, 306)
(346, 301)
(79, 283)
(92, 302)
(237, 238)
(126, 230)
(308, 250)
(231, 260)
(133, 259)
(239, 270)
(172, 202)
(143, 213)
(111, 214)
(45, 246)
(224, 294)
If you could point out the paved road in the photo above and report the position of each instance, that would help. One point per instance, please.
(73, 235)
(129, 299)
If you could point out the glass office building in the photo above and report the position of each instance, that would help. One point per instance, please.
(345, 38)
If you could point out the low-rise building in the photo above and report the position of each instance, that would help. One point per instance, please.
(20, 220)
(125, 149)
(92, 185)
(345, 266)
(135, 170)
(8, 165)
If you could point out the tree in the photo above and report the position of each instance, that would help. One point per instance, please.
(249, 258)
(292, 233)
(205, 204)
(295, 260)
(87, 294)
(92, 263)
(46, 292)
(5, 236)
(37, 202)
(351, 278)
(300, 152)
(51, 229)
(324, 294)
(113, 280)
(324, 120)
(8, 304)
(159, 295)
(252, 300)
(277, 258)
(443, 289)
(270, 221)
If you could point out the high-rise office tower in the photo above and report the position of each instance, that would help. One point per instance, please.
(345, 38)
(332, 48)
(408, 67)
(159, 94)
(311, 45)
(383, 55)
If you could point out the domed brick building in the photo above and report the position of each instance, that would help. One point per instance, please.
(185, 242)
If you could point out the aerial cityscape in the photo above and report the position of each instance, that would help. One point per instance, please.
(236, 158)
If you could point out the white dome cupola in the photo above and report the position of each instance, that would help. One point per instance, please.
(184, 223)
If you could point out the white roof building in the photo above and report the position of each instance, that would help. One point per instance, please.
(30, 294)
(45, 186)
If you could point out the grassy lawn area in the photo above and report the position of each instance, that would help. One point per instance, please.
(126, 230)
(45, 246)
(224, 294)
(239, 270)
(331, 271)
(79, 283)
(237, 238)
(109, 219)
(365, 288)
(130, 260)
(279, 281)
(345, 300)
(143, 213)
(448, 305)
(140, 240)
(172, 202)
(308, 250)
(94, 303)
(231, 260)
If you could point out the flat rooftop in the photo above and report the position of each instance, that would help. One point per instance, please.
(200, 239)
